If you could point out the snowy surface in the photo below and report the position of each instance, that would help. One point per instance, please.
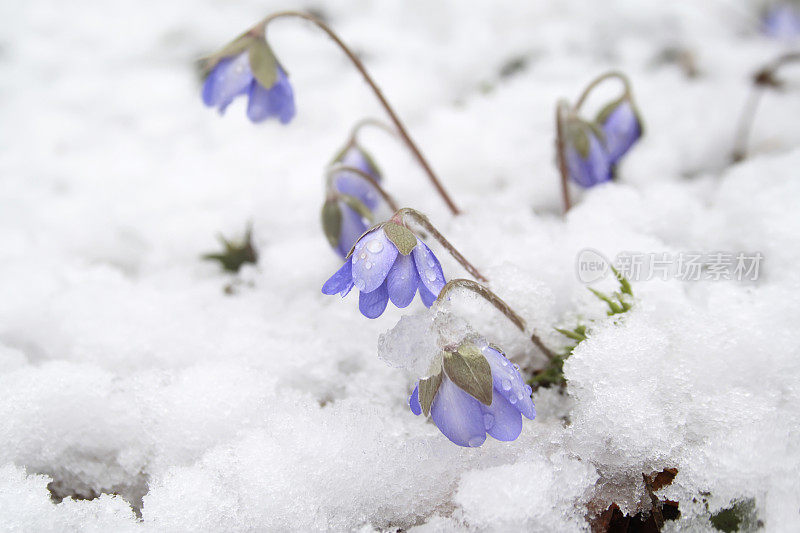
(129, 376)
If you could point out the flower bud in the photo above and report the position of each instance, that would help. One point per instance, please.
(586, 157)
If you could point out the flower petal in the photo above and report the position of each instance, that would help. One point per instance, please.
(458, 415)
(430, 271)
(622, 129)
(508, 382)
(227, 80)
(372, 304)
(594, 169)
(402, 281)
(501, 419)
(372, 258)
(426, 296)
(276, 101)
(353, 226)
(413, 401)
(341, 282)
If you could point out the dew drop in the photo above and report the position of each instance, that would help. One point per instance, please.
(488, 421)
(512, 399)
(375, 246)
(367, 265)
(363, 255)
(506, 384)
(528, 390)
(520, 395)
(431, 275)
(474, 442)
(431, 262)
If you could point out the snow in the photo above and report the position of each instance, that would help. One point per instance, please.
(130, 376)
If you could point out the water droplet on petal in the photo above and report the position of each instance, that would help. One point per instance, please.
(431, 262)
(505, 363)
(431, 275)
(474, 442)
(363, 255)
(520, 395)
(488, 421)
(367, 265)
(375, 246)
(512, 399)
(528, 390)
(506, 384)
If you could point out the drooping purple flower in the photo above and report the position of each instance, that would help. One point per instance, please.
(587, 160)
(388, 263)
(268, 89)
(621, 128)
(782, 21)
(466, 419)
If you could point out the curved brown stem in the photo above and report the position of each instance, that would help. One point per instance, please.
(497, 302)
(600, 79)
(329, 174)
(423, 221)
(401, 130)
(373, 122)
(763, 78)
(562, 108)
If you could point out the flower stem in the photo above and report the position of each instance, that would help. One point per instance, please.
(423, 221)
(401, 130)
(600, 79)
(763, 78)
(497, 302)
(364, 122)
(332, 171)
(562, 108)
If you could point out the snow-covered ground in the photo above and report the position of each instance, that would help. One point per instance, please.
(131, 377)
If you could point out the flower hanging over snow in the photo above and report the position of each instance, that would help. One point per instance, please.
(587, 159)
(477, 391)
(621, 127)
(247, 66)
(388, 263)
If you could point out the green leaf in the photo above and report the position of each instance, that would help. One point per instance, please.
(332, 221)
(427, 391)
(263, 63)
(625, 285)
(236, 253)
(575, 335)
(401, 236)
(470, 371)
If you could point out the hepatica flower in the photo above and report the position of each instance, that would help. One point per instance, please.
(388, 263)
(588, 161)
(247, 66)
(476, 391)
(621, 127)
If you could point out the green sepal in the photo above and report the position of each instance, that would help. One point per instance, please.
(263, 63)
(402, 237)
(331, 216)
(577, 133)
(470, 371)
(428, 388)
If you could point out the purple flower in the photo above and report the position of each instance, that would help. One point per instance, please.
(388, 263)
(621, 128)
(587, 160)
(233, 76)
(464, 418)
(781, 21)
(351, 183)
